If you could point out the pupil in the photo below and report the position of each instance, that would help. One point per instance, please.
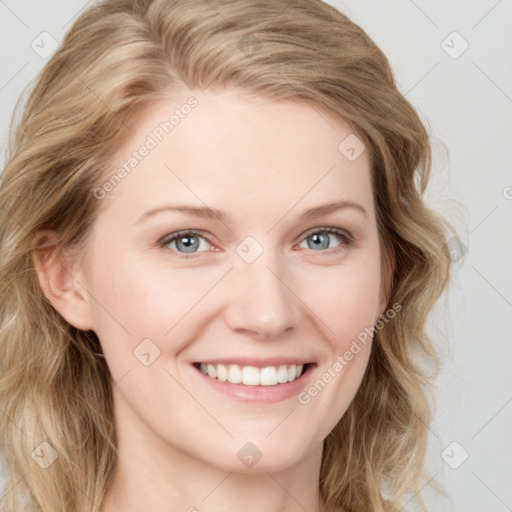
(190, 243)
(318, 239)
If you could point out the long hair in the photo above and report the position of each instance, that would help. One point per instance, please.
(57, 432)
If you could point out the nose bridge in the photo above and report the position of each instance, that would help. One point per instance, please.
(261, 300)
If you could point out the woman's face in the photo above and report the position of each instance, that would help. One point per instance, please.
(281, 279)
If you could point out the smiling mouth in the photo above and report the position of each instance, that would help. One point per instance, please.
(253, 376)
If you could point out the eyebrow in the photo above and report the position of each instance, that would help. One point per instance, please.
(214, 214)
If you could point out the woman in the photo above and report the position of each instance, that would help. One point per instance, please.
(216, 267)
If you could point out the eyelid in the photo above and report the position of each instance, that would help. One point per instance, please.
(171, 237)
(329, 229)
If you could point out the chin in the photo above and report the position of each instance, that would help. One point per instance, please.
(254, 457)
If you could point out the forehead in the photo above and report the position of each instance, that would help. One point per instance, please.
(248, 152)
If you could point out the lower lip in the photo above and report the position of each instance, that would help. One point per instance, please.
(261, 394)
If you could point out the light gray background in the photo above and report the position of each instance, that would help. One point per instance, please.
(467, 102)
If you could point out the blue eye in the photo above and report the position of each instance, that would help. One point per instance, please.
(187, 243)
(320, 239)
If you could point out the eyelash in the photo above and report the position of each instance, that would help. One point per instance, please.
(345, 236)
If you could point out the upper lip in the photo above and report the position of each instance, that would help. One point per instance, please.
(257, 362)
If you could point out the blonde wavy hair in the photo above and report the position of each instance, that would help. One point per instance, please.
(118, 58)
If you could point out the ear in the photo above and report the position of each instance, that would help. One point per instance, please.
(61, 280)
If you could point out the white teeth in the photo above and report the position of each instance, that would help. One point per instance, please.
(268, 376)
(222, 373)
(282, 374)
(234, 374)
(252, 376)
(212, 372)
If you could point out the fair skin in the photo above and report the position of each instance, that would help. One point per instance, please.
(263, 163)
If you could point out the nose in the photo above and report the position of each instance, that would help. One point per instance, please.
(261, 298)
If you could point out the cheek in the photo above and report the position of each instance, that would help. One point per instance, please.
(345, 299)
(134, 300)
